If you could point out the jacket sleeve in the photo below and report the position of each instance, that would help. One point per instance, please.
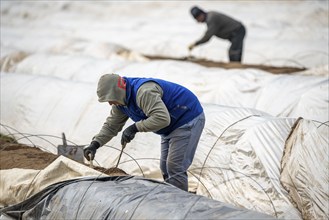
(149, 99)
(112, 126)
(212, 29)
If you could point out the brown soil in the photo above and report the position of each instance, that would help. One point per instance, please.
(15, 155)
(111, 171)
(231, 65)
(19, 156)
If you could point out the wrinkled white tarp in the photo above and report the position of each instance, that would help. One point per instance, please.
(254, 145)
(239, 156)
(75, 42)
(16, 185)
(290, 33)
(304, 171)
(279, 95)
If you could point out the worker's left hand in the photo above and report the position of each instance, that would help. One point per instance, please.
(191, 46)
(128, 134)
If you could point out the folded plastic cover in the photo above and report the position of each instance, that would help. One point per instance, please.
(122, 198)
(305, 169)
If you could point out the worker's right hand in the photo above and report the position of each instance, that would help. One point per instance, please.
(191, 46)
(90, 151)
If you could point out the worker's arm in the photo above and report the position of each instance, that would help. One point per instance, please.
(149, 99)
(212, 29)
(112, 126)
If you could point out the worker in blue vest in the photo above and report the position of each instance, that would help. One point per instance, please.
(155, 105)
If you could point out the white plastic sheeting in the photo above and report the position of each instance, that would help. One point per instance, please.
(305, 169)
(283, 95)
(54, 53)
(71, 107)
(241, 158)
(240, 149)
(288, 33)
(17, 185)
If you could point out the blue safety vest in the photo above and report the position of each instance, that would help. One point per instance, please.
(182, 104)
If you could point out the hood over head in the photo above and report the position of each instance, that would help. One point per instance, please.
(111, 87)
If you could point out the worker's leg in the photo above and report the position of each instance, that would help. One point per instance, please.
(182, 145)
(236, 48)
(163, 158)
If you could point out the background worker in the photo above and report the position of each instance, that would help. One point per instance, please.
(223, 27)
(156, 105)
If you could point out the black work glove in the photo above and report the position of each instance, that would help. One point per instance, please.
(128, 134)
(91, 149)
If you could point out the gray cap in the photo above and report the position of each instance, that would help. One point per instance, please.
(111, 87)
(196, 11)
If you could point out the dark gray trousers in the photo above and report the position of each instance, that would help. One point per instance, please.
(177, 151)
(236, 48)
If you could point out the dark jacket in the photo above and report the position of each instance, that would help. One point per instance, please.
(219, 25)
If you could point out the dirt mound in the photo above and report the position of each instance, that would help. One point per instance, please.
(231, 65)
(15, 155)
(113, 171)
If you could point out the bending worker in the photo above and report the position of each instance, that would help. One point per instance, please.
(156, 105)
(223, 27)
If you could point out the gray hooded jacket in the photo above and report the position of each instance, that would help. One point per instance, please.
(111, 87)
